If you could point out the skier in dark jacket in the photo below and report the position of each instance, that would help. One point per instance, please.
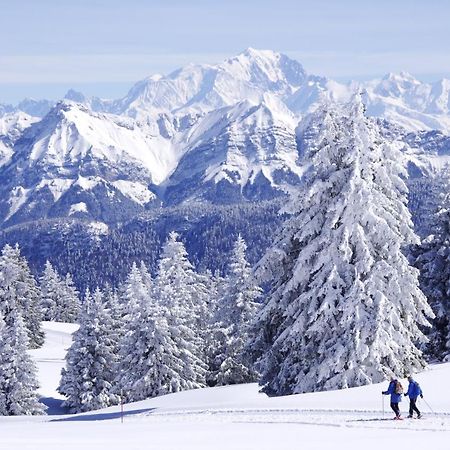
(414, 391)
(396, 396)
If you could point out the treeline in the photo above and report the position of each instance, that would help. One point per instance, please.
(24, 303)
(180, 329)
(95, 258)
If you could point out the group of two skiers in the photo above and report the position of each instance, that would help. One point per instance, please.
(395, 390)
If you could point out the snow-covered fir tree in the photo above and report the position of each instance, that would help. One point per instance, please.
(50, 283)
(146, 277)
(134, 316)
(214, 336)
(433, 261)
(70, 308)
(59, 297)
(237, 309)
(113, 307)
(18, 382)
(87, 380)
(150, 362)
(345, 308)
(23, 287)
(181, 300)
(133, 293)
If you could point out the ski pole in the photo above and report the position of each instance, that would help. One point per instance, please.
(121, 406)
(382, 403)
(426, 403)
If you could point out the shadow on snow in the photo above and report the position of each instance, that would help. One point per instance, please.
(103, 416)
(54, 406)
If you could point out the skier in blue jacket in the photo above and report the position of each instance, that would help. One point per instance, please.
(395, 390)
(414, 391)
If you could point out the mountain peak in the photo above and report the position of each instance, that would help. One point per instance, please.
(267, 67)
(36, 108)
(76, 96)
(400, 77)
(251, 52)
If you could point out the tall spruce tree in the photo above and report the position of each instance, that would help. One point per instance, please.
(26, 292)
(180, 297)
(345, 308)
(18, 383)
(114, 309)
(59, 297)
(237, 309)
(50, 282)
(133, 293)
(146, 277)
(70, 306)
(433, 261)
(87, 380)
(150, 363)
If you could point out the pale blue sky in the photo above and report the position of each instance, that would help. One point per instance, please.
(104, 46)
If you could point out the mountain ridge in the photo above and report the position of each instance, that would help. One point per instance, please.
(219, 133)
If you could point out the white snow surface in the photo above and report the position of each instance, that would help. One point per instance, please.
(57, 186)
(50, 357)
(138, 192)
(98, 228)
(13, 123)
(6, 153)
(80, 207)
(232, 417)
(71, 132)
(19, 196)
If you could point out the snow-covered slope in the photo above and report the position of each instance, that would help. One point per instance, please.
(12, 125)
(243, 151)
(402, 99)
(50, 357)
(72, 133)
(74, 155)
(232, 417)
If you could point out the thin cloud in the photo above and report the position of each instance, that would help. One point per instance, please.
(117, 68)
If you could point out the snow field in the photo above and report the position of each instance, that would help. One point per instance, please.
(50, 357)
(231, 417)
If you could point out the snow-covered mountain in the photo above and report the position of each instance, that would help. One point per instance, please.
(12, 125)
(254, 73)
(29, 106)
(202, 88)
(218, 133)
(76, 162)
(244, 151)
(15, 119)
(402, 99)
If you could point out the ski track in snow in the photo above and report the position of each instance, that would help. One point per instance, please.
(329, 418)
